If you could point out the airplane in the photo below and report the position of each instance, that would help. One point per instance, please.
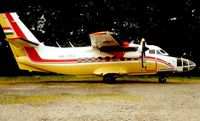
(107, 56)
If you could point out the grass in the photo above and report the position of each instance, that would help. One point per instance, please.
(170, 79)
(64, 78)
(43, 79)
(41, 99)
(16, 99)
(108, 97)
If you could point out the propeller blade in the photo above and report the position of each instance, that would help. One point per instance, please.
(143, 60)
(144, 48)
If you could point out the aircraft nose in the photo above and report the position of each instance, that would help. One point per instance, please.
(191, 65)
(186, 64)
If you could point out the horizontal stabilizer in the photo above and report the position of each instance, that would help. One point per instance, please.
(15, 31)
(21, 42)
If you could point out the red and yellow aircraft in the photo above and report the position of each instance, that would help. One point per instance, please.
(107, 57)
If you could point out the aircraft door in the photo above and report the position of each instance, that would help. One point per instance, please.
(151, 64)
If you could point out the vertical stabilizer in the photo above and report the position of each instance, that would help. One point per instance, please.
(19, 37)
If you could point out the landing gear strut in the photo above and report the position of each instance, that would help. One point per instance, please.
(109, 78)
(162, 78)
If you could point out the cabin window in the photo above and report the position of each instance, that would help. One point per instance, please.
(151, 51)
(99, 59)
(86, 59)
(114, 58)
(79, 60)
(93, 59)
(107, 58)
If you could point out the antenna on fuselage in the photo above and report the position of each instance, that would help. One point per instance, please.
(58, 44)
(71, 44)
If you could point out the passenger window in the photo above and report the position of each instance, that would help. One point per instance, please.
(114, 58)
(99, 59)
(93, 59)
(107, 58)
(86, 60)
(79, 60)
(151, 51)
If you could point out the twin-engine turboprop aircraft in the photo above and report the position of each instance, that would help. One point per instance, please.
(107, 57)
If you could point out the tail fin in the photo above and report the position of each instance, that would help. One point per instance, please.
(18, 36)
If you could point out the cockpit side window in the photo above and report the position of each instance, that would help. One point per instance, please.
(163, 52)
(151, 51)
(158, 52)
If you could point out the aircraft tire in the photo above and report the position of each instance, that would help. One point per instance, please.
(109, 78)
(162, 79)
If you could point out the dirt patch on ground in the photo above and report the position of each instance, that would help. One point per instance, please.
(95, 101)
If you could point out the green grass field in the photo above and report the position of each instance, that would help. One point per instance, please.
(64, 78)
(39, 98)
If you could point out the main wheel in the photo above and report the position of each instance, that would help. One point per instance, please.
(162, 78)
(109, 78)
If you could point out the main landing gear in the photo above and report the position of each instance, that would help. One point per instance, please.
(109, 78)
(162, 78)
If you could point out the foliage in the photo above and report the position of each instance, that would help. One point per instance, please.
(172, 25)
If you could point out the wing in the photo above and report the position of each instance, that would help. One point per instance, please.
(103, 39)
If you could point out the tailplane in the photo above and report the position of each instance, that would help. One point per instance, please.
(14, 29)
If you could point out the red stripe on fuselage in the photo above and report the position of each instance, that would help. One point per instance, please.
(14, 25)
(159, 60)
(33, 55)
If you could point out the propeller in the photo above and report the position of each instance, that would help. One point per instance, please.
(144, 48)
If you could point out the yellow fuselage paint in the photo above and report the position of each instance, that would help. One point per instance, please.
(97, 68)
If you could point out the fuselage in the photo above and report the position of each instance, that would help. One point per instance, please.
(89, 60)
